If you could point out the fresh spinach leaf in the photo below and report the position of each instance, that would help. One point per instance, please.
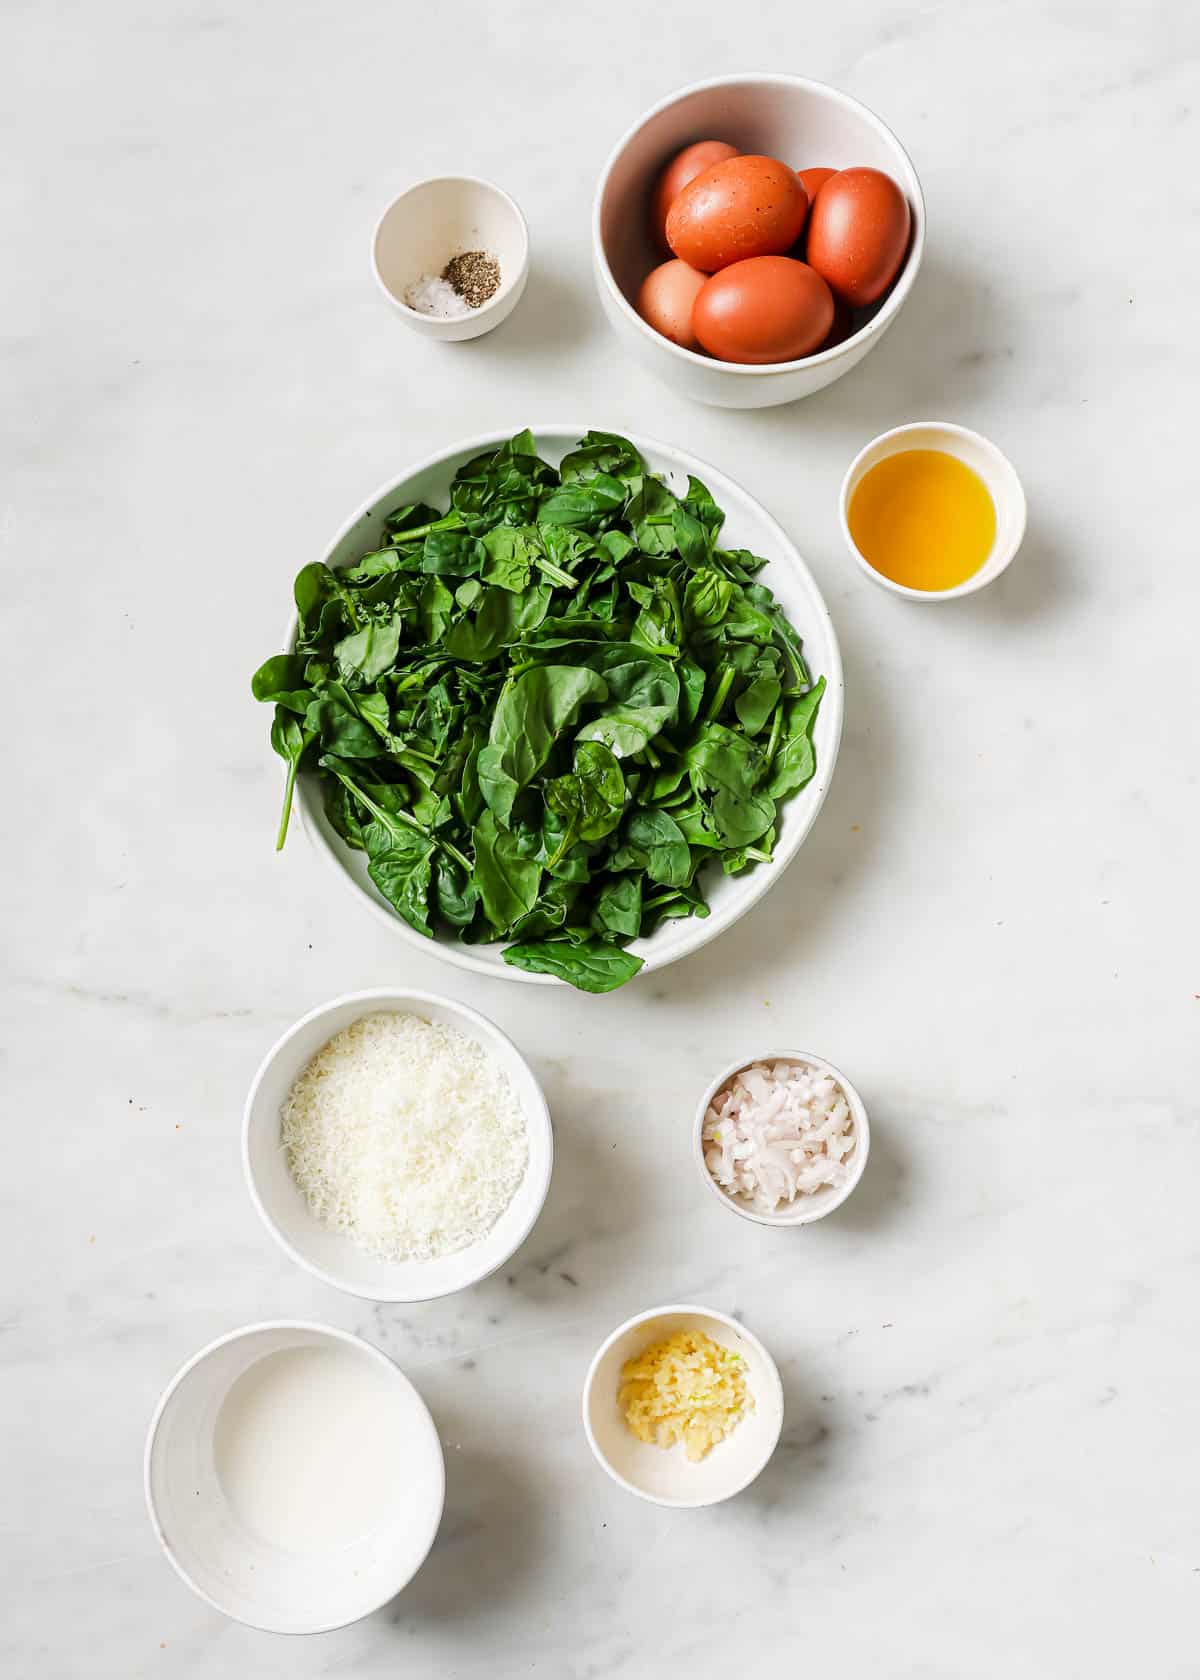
(506, 882)
(533, 710)
(401, 866)
(725, 766)
(369, 652)
(283, 681)
(617, 909)
(654, 841)
(595, 966)
(795, 760)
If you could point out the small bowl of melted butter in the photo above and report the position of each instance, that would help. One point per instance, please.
(932, 511)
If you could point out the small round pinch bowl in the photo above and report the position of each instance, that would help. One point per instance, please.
(664, 1476)
(234, 1568)
(435, 220)
(806, 124)
(814, 1205)
(976, 452)
(328, 1253)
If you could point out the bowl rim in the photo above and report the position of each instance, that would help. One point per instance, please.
(730, 1323)
(538, 1122)
(394, 1373)
(503, 290)
(862, 1149)
(822, 358)
(992, 567)
(756, 883)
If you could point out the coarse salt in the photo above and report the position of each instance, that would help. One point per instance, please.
(431, 295)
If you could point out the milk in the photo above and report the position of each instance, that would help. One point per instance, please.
(307, 1448)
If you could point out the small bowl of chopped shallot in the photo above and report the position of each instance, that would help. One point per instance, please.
(783, 1139)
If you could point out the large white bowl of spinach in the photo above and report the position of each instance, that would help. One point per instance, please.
(564, 707)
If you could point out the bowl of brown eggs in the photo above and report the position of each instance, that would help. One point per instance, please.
(754, 237)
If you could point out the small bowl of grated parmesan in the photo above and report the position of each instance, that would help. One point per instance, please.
(781, 1140)
(397, 1145)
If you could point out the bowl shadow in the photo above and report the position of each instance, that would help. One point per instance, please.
(884, 1190)
(1035, 585)
(493, 1535)
(807, 1449)
(952, 344)
(595, 1200)
(552, 315)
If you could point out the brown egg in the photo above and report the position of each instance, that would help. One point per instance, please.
(744, 207)
(666, 298)
(766, 309)
(858, 234)
(812, 181)
(684, 167)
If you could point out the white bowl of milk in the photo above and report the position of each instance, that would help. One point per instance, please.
(294, 1477)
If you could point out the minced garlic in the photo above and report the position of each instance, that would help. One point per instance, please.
(686, 1388)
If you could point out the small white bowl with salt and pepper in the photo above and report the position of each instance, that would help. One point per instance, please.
(452, 255)
(782, 1139)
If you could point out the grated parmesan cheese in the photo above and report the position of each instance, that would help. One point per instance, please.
(406, 1135)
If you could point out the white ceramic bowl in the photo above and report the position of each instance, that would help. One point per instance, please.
(806, 124)
(235, 1569)
(996, 471)
(436, 220)
(329, 1254)
(747, 525)
(664, 1475)
(805, 1209)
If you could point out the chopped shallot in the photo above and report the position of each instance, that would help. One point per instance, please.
(776, 1131)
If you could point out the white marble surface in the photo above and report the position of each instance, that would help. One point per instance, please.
(990, 1459)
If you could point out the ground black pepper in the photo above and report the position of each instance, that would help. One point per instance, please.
(474, 275)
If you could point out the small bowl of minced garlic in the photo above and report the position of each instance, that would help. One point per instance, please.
(683, 1406)
(452, 255)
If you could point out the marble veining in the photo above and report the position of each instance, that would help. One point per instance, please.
(989, 1462)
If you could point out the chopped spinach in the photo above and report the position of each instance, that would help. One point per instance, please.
(542, 713)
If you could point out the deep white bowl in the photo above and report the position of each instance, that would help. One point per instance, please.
(433, 221)
(329, 1254)
(978, 453)
(663, 1475)
(747, 525)
(805, 1210)
(238, 1571)
(802, 122)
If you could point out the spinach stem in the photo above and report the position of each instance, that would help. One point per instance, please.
(390, 818)
(773, 738)
(556, 574)
(720, 694)
(289, 788)
(452, 521)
